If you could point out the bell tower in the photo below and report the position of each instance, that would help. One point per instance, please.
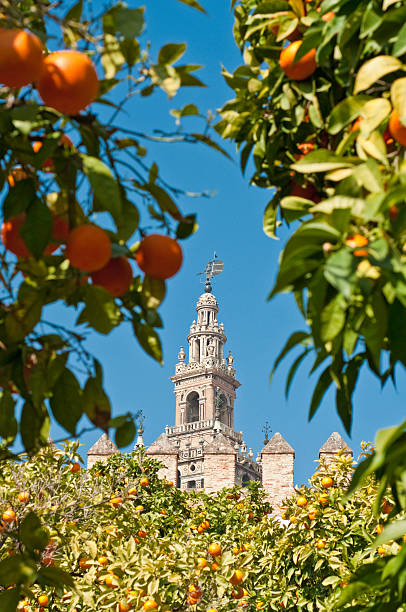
(205, 387)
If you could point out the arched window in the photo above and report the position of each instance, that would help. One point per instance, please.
(222, 404)
(245, 479)
(192, 407)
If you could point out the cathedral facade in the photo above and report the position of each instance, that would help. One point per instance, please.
(202, 449)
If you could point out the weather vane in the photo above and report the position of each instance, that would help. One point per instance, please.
(213, 268)
(267, 430)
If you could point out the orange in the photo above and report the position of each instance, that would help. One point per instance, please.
(43, 600)
(381, 550)
(75, 467)
(20, 57)
(116, 276)
(238, 593)
(328, 16)
(201, 562)
(303, 68)
(215, 566)
(379, 529)
(142, 533)
(356, 125)
(88, 248)
(60, 233)
(122, 606)
(139, 508)
(326, 482)
(237, 577)
(305, 148)
(23, 496)
(132, 491)
(355, 241)
(150, 604)
(144, 482)
(102, 560)
(321, 544)
(311, 516)
(214, 549)
(10, 236)
(68, 81)
(386, 507)
(85, 563)
(116, 501)
(323, 500)
(397, 129)
(9, 515)
(159, 256)
(301, 501)
(111, 581)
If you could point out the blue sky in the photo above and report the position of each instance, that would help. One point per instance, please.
(230, 224)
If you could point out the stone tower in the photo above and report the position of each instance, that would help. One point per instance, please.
(211, 453)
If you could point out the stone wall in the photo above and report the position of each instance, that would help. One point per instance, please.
(219, 464)
(278, 465)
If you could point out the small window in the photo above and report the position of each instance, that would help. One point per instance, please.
(191, 484)
(192, 467)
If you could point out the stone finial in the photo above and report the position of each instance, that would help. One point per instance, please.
(220, 445)
(103, 446)
(162, 446)
(333, 444)
(277, 445)
(181, 355)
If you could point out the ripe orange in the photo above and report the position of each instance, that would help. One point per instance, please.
(68, 81)
(139, 508)
(326, 482)
(132, 491)
(379, 529)
(9, 515)
(311, 516)
(397, 129)
(355, 241)
(238, 593)
(214, 549)
(301, 501)
(122, 607)
(321, 544)
(10, 236)
(328, 16)
(111, 581)
(20, 57)
(88, 248)
(150, 604)
(142, 533)
(144, 482)
(116, 276)
(85, 563)
(159, 256)
(215, 566)
(75, 467)
(102, 560)
(201, 562)
(116, 501)
(323, 500)
(23, 496)
(43, 600)
(305, 148)
(237, 577)
(303, 68)
(386, 507)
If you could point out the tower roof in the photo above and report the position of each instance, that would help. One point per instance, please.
(335, 443)
(278, 445)
(220, 445)
(162, 446)
(103, 446)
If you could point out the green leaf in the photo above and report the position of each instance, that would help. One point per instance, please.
(55, 576)
(333, 318)
(66, 401)
(296, 338)
(339, 271)
(320, 389)
(292, 371)
(129, 221)
(186, 111)
(31, 425)
(397, 331)
(194, 4)
(187, 227)
(9, 600)
(104, 186)
(149, 340)
(24, 314)
(112, 58)
(211, 143)
(75, 12)
(125, 434)
(374, 69)
(392, 531)
(96, 403)
(101, 311)
(8, 422)
(162, 197)
(17, 570)
(33, 534)
(269, 222)
(171, 52)
(153, 292)
(345, 112)
(399, 48)
(19, 198)
(398, 96)
(321, 160)
(127, 22)
(36, 230)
